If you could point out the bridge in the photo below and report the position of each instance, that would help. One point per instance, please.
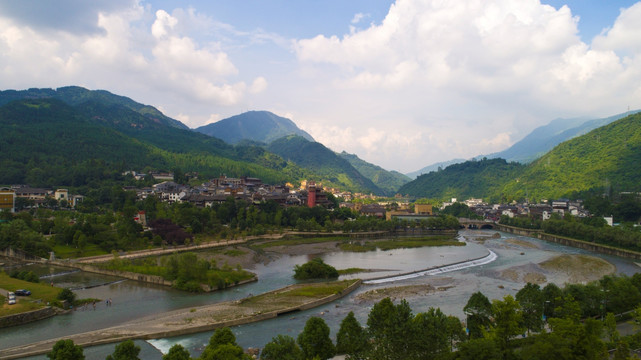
(475, 224)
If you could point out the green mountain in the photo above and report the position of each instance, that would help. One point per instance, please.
(471, 179)
(607, 157)
(331, 169)
(49, 143)
(545, 138)
(261, 126)
(388, 181)
(75, 95)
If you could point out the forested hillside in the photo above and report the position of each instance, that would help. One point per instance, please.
(605, 159)
(388, 181)
(261, 126)
(471, 179)
(47, 143)
(331, 169)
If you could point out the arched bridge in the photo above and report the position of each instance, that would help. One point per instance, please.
(475, 224)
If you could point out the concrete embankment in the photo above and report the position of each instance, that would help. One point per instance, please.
(27, 317)
(585, 245)
(193, 320)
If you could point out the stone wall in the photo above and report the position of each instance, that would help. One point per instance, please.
(27, 317)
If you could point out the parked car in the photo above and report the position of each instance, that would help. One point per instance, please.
(11, 298)
(23, 292)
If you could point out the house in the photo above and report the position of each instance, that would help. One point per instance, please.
(373, 210)
(7, 199)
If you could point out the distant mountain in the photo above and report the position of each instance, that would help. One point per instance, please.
(537, 143)
(607, 157)
(434, 167)
(388, 181)
(545, 138)
(331, 169)
(261, 126)
(470, 179)
(75, 95)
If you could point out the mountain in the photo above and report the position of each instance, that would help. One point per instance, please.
(388, 181)
(261, 126)
(537, 143)
(545, 138)
(75, 95)
(470, 179)
(47, 142)
(607, 157)
(332, 170)
(434, 167)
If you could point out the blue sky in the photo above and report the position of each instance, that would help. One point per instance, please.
(402, 84)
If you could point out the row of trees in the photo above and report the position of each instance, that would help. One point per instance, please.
(536, 324)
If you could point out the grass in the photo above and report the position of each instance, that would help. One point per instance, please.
(234, 252)
(282, 299)
(39, 291)
(71, 252)
(401, 243)
(350, 271)
(290, 241)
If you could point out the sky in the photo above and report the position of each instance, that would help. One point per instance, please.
(403, 84)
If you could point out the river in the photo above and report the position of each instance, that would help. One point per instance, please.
(132, 300)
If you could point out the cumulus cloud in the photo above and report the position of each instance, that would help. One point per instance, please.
(135, 51)
(480, 74)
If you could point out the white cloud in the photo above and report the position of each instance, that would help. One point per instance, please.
(259, 85)
(471, 76)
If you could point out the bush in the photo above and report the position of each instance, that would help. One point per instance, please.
(315, 269)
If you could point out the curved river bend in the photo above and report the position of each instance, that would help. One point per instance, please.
(133, 300)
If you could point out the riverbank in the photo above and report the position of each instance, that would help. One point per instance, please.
(269, 305)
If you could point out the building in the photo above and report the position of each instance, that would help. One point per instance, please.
(423, 209)
(61, 194)
(311, 194)
(7, 199)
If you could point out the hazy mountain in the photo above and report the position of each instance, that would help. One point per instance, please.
(332, 170)
(545, 138)
(434, 167)
(607, 157)
(388, 181)
(261, 126)
(604, 159)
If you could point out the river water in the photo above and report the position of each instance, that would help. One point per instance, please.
(132, 300)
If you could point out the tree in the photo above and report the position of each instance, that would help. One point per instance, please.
(67, 295)
(530, 298)
(222, 346)
(481, 348)
(507, 322)
(126, 350)
(478, 311)
(281, 347)
(315, 269)
(431, 339)
(314, 341)
(177, 352)
(351, 338)
(391, 328)
(66, 350)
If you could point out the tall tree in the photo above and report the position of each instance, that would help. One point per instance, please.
(126, 350)
(281, 347)
(530, 299)
(351, 338)
(478, 311)
(315, 341)
(391, 330)
(222, 346)
(431, 339)
(507, 323)
(66, 350)
(177, 352)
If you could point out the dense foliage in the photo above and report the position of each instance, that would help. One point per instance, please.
(471, 179)
(331, 169)
(388, 181)
(66, 350)
(315, 269)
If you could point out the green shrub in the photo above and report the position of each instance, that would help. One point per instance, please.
(315, 269)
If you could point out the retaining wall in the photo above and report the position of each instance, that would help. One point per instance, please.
(586, 245)
(27, 317)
